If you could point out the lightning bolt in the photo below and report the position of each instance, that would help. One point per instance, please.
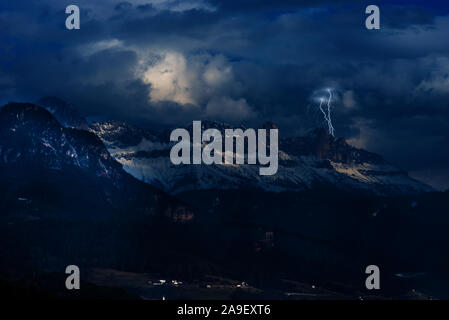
(327, 115)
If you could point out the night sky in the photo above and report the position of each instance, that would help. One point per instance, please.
(168, 62)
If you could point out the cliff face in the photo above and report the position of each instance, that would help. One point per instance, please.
(320, 144)
(304, 162)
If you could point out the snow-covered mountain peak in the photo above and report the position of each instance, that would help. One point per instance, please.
(304, 162)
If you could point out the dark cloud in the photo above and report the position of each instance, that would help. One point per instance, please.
(248, 6)
(400, 17)
(123, 6)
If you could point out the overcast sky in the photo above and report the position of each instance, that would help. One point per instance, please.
(168, 62)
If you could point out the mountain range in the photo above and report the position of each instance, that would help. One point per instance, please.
(105, 194)
(304, 162)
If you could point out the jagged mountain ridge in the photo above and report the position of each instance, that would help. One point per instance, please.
(304, 162)
(70, 171)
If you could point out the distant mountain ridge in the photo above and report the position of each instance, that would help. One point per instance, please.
(304, 162)
(315, 159)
